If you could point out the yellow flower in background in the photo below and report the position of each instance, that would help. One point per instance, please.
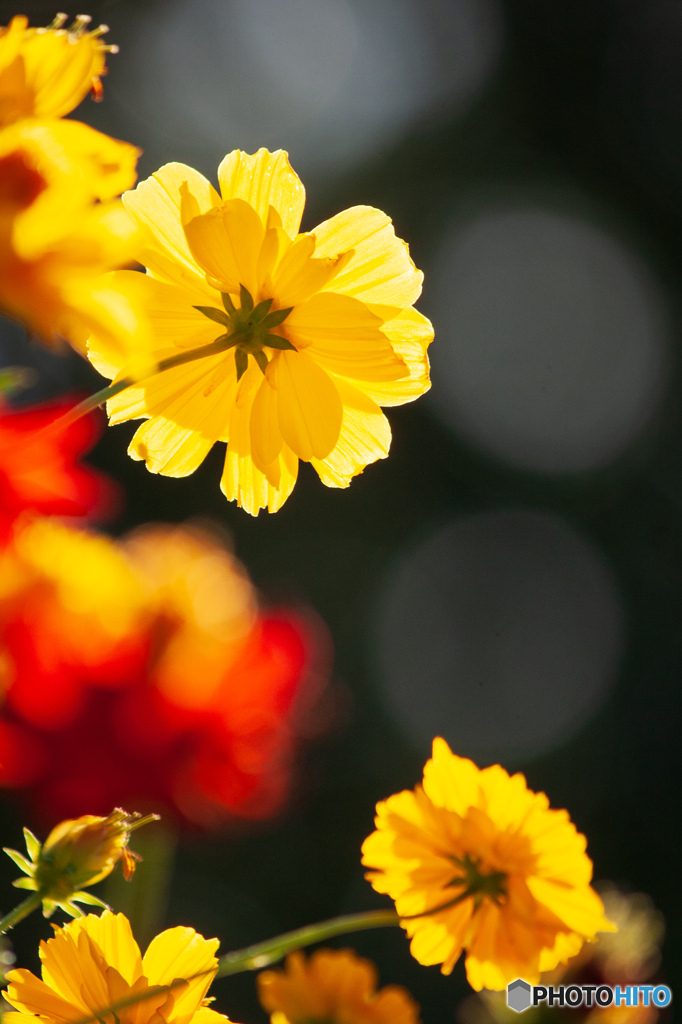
(94, 962)
(332, 987)
(46, 72)
(61, 230)
(476, 861)
(77, 852)
(311, 332)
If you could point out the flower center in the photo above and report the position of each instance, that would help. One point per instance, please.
(248, 328)
(477, 883)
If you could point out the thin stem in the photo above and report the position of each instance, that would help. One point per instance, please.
(21, 911)
(260, 955)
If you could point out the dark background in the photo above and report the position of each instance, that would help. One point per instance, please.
(579, 112)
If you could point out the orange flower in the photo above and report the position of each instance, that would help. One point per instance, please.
(476, 861)
(333, 987)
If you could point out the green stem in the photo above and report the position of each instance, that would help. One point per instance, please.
(253, 958)
(30, 904)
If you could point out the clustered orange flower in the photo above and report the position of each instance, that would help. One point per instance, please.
(144, 671)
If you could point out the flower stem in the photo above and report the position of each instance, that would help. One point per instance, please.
(21, 911)
(253, 958)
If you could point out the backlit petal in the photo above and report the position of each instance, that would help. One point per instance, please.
(264, 179)
(226, 243)
(345, 337)
(410, 334)
(182, 953)
(299, 274)
(310, 408)
(266, 436)
(365, 436)
(381, 269)
(155, 204)
(242, 481)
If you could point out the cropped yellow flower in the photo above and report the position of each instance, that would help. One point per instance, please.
(46, 72)
(311, 332)
(77, 852)
(476, 861)
(333, 987)
(94, 962)
(61, 230)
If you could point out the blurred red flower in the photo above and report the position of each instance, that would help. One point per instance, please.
(40, 471)
(143, 673)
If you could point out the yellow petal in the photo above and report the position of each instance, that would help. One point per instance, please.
(579, 908)
(197, 396)
(169, 309)
(264, 179)
(345, 337)
(365, 436)
(450, 781)
(155, 204)
(182, 953)
(32, 995)
(114, 938)
(101, 319)
(242, 481)
(266, 436)
(410, 334)
(309, 404)
(381, 269)
(226, 243)
(166, 448)
(299, 275)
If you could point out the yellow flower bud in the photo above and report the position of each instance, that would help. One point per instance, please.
(77, 853)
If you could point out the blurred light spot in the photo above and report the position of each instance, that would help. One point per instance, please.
(501, 632)
(552, 339)
(329, 80)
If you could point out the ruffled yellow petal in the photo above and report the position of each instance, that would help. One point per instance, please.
(32, 995)
(114, 939)
(155, 204)
(226, 244)
(410, 334)
(344, 337)
(264, 180)
(381, 269)
(309, 405)
(365, 436)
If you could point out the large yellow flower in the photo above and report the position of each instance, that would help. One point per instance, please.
(94, 963)
(46, 72)
(333, 987)
(61, 230)
(312, 332)
(476, 861)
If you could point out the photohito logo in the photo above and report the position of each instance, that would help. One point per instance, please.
(521, 996)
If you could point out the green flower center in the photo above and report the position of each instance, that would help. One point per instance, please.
(248, 328)
(477, 883)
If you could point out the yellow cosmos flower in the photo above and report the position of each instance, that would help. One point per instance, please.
(61, 230)
(46, 72)
(94, 962)
(309, 333)
(333, 987)
(476, 861)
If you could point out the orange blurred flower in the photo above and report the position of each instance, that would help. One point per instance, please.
(144, 672)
